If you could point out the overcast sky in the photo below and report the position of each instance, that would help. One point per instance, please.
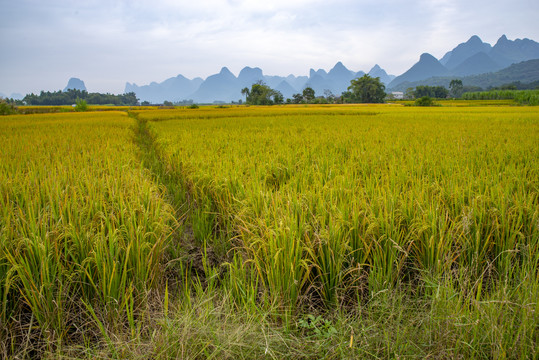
(106, 43)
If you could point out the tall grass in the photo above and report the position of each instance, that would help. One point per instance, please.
(311, 196)
(309, 232)
(341, 205)
(522, 97)
(81, 223)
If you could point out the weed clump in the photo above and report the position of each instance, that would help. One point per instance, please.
(81, 105)
(424, 101)
(7, 108)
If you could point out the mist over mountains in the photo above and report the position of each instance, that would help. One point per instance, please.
(473, 57)
(225, 86)
(474, 61)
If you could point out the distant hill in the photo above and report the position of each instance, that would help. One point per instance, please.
(249, 76)
(175, 89)
(219, 87)
(524, 72)
(180, 86)
(75, 84)
(464, 51)
(335, 80)
(477, 62)
(226, 87)
(378, 72)
(14, 96)
(339, 78)
(286, 89)
(473, 57)
(427, 66)
(507, 52)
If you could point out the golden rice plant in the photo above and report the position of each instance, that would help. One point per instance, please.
(81, 220)
(313, 193)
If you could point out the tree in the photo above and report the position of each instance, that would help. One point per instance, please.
(422, 91)
(245, 91)
(308, 94)
(345, 98)
(129, 98)
(367, 89)
(471, 88)
(262, 94)
(456, 88)
(409, 94)
(297, 98)
(81, 105)
(278, 98)
(439, 92)
(424, 101)
(70, 97)
(329, 96)
(7, 107)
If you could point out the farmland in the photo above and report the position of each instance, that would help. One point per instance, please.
(378, 231)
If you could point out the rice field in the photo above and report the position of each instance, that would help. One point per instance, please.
(374, 231)
(312, 199)
(82, 226)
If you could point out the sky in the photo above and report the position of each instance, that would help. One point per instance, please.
(107, 43)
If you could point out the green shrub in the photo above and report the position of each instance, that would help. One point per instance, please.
(424, 101)
(7, 108)
(81, 105)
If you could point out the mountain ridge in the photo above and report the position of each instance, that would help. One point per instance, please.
(75, 84)
(470, 58)
(225, 86)
(524, 72)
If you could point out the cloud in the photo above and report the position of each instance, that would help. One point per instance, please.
(106, 43)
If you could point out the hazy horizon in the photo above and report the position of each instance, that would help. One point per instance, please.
(109, 43)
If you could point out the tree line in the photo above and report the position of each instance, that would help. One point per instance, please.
(365, 89)
(71, 96)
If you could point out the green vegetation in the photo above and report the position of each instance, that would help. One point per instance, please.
(70, 97)
(517, 85)
(240, 232)
(522, 97)
(307, 97)
(424, 101)
(438, 92)
(7, 108)
(261, 94)
(81, 105)
(365, 89)
(319, 223)
(456, 88)
(82, 230)
(524, 74)
(308, 94)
